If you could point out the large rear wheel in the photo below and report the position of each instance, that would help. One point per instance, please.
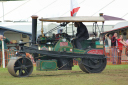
(20, 67)
(92, 65)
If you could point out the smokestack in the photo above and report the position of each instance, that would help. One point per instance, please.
(101, 14)
(34, 28)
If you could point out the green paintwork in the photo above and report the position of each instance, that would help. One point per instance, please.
(92, 43)
(70, 50)
(57, 46)
(87, 43)
(43, 39)
(46, 65)
(48, 47)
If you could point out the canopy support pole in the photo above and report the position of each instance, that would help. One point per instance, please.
(102, 26)
(95, 29)
(73, 36)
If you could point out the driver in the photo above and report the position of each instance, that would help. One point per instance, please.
(82, 34)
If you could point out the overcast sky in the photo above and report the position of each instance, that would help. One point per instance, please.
(22, 10)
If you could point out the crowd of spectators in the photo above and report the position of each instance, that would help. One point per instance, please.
(114, 46)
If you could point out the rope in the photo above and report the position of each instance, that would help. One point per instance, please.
(44, 7)
(124, 15)
(103, 7)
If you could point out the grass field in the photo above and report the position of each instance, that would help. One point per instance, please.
(112, 75)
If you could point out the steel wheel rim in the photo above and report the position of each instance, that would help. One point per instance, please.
(93, 67)
(21, 67)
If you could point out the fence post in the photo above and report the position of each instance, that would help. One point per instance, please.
(0, 58)
(6, 58)
(3, 54)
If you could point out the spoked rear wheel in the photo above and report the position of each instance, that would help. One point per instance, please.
(20, 67)
(92, 65)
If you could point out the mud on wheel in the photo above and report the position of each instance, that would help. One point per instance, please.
(20, 66)
(92, 65)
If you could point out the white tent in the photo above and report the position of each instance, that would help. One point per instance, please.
(120, 25)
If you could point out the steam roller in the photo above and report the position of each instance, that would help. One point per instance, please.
(58, 50)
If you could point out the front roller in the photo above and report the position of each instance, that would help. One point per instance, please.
(92, 65)
(20, 66)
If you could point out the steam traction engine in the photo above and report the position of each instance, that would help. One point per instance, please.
(58, 52)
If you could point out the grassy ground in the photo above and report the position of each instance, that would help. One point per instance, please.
(112, 75)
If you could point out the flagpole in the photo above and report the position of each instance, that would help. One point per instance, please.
(3, 10)
(3, 54)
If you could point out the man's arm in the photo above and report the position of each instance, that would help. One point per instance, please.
(122, 42)
(106, 35)
(7, 40)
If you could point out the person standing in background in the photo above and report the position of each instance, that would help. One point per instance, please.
(114, 47)
(2, 38)
(126, 50)
(108, 42)
(106, 45)
(121, 43)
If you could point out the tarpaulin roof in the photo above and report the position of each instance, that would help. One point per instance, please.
(3, 29)
(106, 17)
(74, 19)
(118, 26)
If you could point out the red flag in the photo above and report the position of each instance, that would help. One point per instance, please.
(74, 7)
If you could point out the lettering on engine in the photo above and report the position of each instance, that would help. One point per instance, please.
(63, 43)
(96, 51)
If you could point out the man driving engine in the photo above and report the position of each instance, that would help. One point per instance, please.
(82, 34)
